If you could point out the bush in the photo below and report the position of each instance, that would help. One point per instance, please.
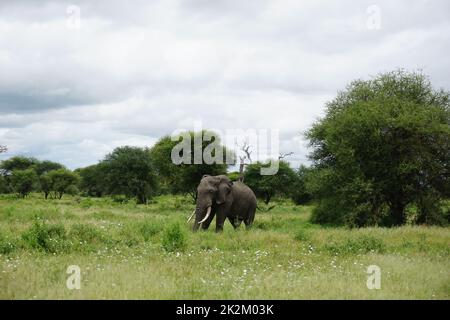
(362, 244)
(85, 233)
(302, 235)
(49, 238)
(174, 238)
(7, 245)
(148, 229)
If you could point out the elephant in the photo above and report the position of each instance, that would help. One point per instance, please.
(219, 196)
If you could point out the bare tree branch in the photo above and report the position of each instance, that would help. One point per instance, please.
(284, 155)
(3, 149)
(246, 149)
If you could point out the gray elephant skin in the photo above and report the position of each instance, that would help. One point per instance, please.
(218, 196)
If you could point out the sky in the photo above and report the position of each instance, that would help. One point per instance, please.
(79, 78)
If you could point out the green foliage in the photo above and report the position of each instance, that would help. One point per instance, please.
(234, 176)
(48, 238)
(18, 163)
(382, 145)
(59, 182)
(5, 186)
(184, 177)
(7, 245)
(24, 181)
(46, 166)
(299, 193)
(174, 238)
(302, 235)
(360, 245)
(148, 229)
(92, 182)
(267, 186)
(130, 171)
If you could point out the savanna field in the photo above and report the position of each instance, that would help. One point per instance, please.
(129, 251)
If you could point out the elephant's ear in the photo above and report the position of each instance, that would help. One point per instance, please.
(224, 189)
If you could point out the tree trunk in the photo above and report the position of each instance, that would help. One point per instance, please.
(398, 213)
(241, 171)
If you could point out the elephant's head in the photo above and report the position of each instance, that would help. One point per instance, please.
(212, 191)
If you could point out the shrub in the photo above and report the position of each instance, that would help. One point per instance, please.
(302, 235)
(85, 233)
(7, 245)
(174, 238)
(149, 229)
(49, 238)
(362, 244)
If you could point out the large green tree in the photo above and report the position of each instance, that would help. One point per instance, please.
(129, 171)
(24, 182)
(58, 182)
(299, 192)
(184, 177)
(268, 186)
(18, 163)
(92, 180)
(382, 146)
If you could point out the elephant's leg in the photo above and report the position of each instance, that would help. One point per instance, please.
(232, 221)
(205, 225)
(235, 221)
(250, 217)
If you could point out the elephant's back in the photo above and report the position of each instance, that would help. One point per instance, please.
(244, 190)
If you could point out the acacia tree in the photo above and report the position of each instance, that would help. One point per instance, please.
(382, 145)
(24, 182)
(267, 186)
(184, 177)
(129, 171)
(58, 182)
(92, 182)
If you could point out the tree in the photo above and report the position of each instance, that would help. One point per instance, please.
(92, 182)
(45, 183)
(3, 149)
(299, 191)
(267, 186)
(46, 166)
(184, 177)
(245, 158)
(24, 181)
(4, 185)
(18, 163)
(129, 171)
(382, 146)
(59, 181)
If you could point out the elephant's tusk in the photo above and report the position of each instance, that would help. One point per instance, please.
(207, 215)
(191, 216)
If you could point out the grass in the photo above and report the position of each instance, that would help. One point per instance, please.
(126, 251)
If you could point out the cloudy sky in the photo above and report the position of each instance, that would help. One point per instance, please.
(80, 78)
